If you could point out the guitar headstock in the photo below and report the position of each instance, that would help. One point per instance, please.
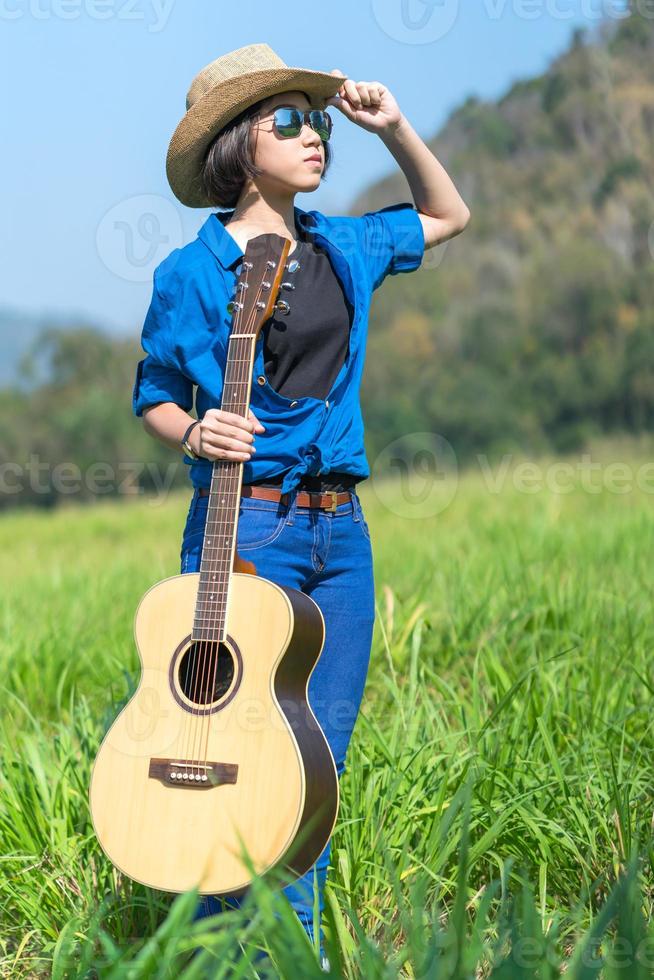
(259, 283)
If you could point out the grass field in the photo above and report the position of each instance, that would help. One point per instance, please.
(497, 806)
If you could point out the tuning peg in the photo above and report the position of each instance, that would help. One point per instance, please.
(233, 305)
(287, 285)
(283, 307)
(293, 266)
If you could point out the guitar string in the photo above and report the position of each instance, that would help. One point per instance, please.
(207, 650)
(198, 664)
(226, 570)
(238, 465)
(241, 379)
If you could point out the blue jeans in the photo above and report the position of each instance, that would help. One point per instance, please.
(328, 556)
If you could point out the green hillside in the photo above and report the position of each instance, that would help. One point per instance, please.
(534, 327)
(531, 332)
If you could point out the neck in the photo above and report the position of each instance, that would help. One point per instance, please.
(270, 212)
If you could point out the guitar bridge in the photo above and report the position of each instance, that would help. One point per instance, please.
(191, 774)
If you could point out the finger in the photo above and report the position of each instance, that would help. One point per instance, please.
(343, 106)
(234, 432)
(236, 446)
(352, 93)
(341, 91)
(364, 94)
(225, 455)
(337, 71)
(224, 429)
(233, 418)
(229, 444)
(260, 425)
(375, 92)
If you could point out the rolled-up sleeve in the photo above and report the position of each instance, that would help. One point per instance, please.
(158, 377)
(392, 241)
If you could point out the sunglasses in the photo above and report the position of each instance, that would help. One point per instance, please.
(289, 120)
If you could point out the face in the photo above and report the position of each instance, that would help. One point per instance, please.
(285, 160)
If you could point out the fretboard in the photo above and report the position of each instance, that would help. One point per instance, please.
(222, 512)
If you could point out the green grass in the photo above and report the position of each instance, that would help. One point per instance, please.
(496, 815)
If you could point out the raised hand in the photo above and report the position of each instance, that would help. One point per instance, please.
(368, 104)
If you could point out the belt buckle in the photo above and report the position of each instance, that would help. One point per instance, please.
(333, 494)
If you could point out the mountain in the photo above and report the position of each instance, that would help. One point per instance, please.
(531, 331)
(533, 327)
(18, 337)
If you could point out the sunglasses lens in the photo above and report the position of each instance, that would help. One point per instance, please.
(288, 122)
(321, 122)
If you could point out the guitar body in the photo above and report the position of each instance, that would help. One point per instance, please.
(218, 753)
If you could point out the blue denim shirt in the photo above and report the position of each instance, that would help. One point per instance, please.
(186, 333)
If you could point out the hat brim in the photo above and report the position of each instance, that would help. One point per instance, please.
(222, 103)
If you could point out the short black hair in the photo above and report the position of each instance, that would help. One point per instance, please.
(229, 160)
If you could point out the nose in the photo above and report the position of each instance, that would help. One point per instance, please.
(315, 140)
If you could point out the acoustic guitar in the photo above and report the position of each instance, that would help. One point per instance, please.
(216, 770)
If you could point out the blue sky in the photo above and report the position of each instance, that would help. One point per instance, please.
(93, 89)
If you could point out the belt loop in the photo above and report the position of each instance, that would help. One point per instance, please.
(194, 502)
(292, 495)
(356, 505)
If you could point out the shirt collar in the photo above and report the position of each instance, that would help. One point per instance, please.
(226, 249)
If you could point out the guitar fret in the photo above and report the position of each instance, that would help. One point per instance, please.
(216, 558)
(220, 563)
(220, 530)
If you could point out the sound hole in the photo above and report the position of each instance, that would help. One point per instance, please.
(206, 671)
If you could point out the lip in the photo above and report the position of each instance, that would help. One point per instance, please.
(314, 159)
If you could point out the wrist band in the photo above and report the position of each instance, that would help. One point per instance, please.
(188, 449)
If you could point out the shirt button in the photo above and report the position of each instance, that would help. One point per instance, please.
(327, 402)
(293, 404)
(261, 380)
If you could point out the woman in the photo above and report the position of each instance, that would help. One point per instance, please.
(254, 135)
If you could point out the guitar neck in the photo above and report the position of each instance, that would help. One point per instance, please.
(263, 266)
(222, 512)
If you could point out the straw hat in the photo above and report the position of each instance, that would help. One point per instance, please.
(218, 94)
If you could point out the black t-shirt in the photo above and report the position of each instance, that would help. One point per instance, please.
(305, 349)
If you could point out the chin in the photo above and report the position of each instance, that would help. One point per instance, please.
(305, 186)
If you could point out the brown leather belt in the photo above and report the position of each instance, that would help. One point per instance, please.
(328, 499)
